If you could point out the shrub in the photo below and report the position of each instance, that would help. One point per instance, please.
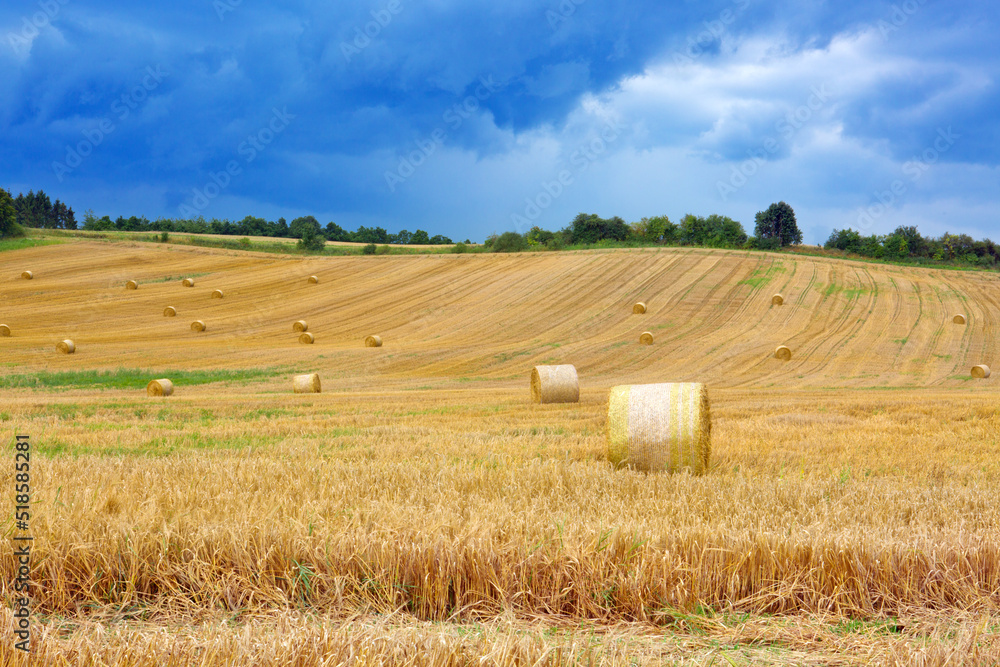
(368, 249)
(509, 242)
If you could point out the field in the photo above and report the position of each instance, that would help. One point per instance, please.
(421, 511)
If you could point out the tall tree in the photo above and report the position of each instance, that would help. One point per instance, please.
(778, 222)
(8, 214)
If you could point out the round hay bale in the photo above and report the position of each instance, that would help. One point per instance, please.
(313, 280)
(27, 275)
(659, 427)
(777, 300)
(4, 330)
(373, 341)
(66, 347)
(306, 384)
(170, 311)
(958, 319)
(646, 338)
(307, 338)
(981, 372)
(782, 352)
(161, 387)
(197, 325)
(300, 325)
(131, 285)
(555, 384)
(188, 282)
(217, 294)
(639, 308)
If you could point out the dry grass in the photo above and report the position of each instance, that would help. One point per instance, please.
(421, 511)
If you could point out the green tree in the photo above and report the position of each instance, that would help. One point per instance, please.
(778, 222)
(420, 238)
(306, 225)
(8, 215)
(509, 242)
(591, 228)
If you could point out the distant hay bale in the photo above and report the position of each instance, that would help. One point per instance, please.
(131, 285)
(4, 330)
(66, 347)
(197, 325)
(555, 384)
(161, 387)
(313, 280)
(782, 352)
(27, 275)
(307, 338)
(373, 341)
(169, 311)
(188, 282)
(958, 319)
(217, 294)
(981, 372)
(300, 325)
(639, 308)
(646, 338)
(777, 300)
(306, 384)
(659, 427)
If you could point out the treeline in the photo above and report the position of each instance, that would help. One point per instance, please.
(300, 228)
(38, 211)
(906, 244)
(775, 227)
(34, 209)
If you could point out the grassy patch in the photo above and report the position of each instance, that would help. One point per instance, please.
(129, 378)
(22, 243)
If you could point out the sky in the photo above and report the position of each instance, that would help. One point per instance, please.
(478, 117)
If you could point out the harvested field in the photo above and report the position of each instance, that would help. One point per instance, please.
(422, 505)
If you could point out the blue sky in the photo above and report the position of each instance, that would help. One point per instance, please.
(468, 118)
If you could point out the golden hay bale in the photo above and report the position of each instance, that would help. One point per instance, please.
(169, 311)
(783, 353)
(307, 338)
(958, 319)
(657, 427)
(300, 325)
(555, 384)
(313, 280)
(646, 338)
(777, 300)
(197, 325)
(4, 330)
(131, 285)
(217, 294)
(306, 384)
(27, 275)
(188, 282)
(639, 308)
(373, 341)
(161, 387)
(66, 347)
(981, 372)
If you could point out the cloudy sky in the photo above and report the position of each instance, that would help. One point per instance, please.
(471, 117)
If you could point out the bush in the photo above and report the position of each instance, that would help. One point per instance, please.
(368, 249)
(509, 242)
(459, 248)
(164, 237)
(382, 250)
